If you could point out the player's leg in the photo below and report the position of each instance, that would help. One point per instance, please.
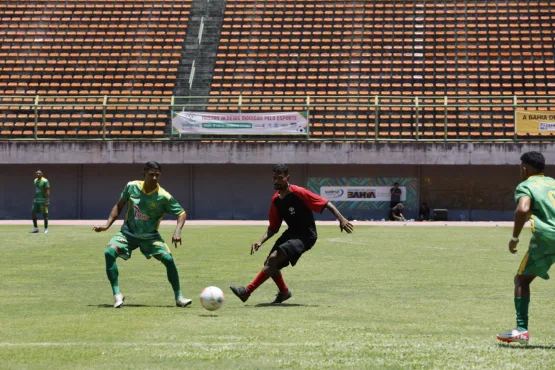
(532, 265)
(292, 250)
(284, 292)
(118, 246)
(159, 250)
(522, 300)
(276, 260)
(44, 212)
(34, 218)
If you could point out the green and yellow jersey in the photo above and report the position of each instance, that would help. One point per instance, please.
(40, 190)
(146, 210)
(541, 190)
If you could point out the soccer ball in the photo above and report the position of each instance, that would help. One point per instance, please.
(212, 298)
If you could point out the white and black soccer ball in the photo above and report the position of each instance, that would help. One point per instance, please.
(212, 298)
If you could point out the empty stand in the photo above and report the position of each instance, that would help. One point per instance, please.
(90, 48)
(420, 49)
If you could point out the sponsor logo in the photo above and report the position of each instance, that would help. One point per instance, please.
(139, 215)
(333, 193)
(292, 210)
(547, 126)
(361, 194)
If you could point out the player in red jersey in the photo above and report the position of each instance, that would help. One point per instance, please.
(294, 205)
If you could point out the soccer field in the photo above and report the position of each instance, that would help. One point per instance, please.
(383, 297)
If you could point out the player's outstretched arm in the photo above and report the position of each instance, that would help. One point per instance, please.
(344, 224)
(114, 214)
(176, 237)
(522, 214)
(267, 235)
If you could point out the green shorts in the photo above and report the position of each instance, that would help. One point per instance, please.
(39, 208)
(539, 258)
(126, 245)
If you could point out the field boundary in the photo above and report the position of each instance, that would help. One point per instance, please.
(265, 223)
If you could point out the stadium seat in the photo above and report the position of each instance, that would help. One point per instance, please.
(390, 49)
(95, 47)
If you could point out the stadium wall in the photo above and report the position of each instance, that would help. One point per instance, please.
(313, 152)
(243, 191)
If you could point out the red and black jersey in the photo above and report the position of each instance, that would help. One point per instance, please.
(296, 210)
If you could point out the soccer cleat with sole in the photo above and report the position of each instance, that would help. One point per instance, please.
(282, 297)
(240, 292)
(118, 300)
(182, 302)
(46, 231)
(34, 231)
(514, 336)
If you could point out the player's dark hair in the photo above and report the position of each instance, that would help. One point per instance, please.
(152, 165)
(281, 168)
(396, 184)
(534, 160)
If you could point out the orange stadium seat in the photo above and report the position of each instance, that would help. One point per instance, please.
(391, 49)
(91, 47)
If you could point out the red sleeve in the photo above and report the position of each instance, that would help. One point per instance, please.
(275, 218)
(312, 201)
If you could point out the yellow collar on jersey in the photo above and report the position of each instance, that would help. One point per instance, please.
(155, 189)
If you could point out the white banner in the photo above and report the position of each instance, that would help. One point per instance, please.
(360, 193)
(292, 123)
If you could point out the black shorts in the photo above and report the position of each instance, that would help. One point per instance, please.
(293, 247)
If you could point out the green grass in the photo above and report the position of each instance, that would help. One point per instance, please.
(389, 297)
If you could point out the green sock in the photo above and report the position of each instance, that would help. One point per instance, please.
(173, 275)
(112, 269)
(35, 223)
(521, 306)
(46, 222)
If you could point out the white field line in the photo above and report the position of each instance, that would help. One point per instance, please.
(235, 345)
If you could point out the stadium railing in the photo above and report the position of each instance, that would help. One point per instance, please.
(331, 117)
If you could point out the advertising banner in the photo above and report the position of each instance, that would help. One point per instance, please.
(283, 123)
(535, 122)
(364, 193)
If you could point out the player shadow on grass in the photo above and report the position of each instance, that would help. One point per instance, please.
(509, 346)
(284, 305)
(127, 305)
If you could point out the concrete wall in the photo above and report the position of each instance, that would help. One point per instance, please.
(193, 152)
(232, 191)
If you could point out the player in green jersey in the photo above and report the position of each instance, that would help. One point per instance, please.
(535, 198)
(40, 201)
(147, 203)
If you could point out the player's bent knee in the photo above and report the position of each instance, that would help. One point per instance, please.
(166, 259)
(111, 250)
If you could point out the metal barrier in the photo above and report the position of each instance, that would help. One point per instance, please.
(331, 117)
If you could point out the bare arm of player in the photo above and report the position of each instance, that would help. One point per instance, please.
(113, 216)
(344, 224)
(47, 196)
(267, 235)
(522, 214)
(176, 237)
